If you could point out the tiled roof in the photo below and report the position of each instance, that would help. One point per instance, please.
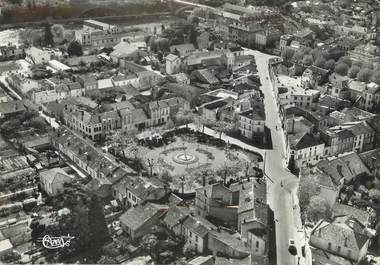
(371, 158)
(135, 217)
(253, 200)
(321, 257)
(256, 113)
(332, 102)
(118, 78)
(217, 104)
(176, 215)
(88, 78)
(171, 57)
(91, 157)
(132, 67)
(121, 105)
(347, 167)
(213, 190)
(318, 70)
(204, 75)
(198, 225)
(358, 114)
(345, 210)
(55, 175)
(229, 240)
(170, 102)
(97, 184)
(347, 234)
(303, 140)
(11, 107)
(180, 77)
(345, 134)
(183, 48)
(318, 177)
(361, 129)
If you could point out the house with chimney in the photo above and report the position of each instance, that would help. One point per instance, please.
(161, 111)
(203, 235)
(139, 221)
(344, 168)
(243, 205)
(91, 123)
(363, 134)
(343, 236)
(306, 148)
(252, 122)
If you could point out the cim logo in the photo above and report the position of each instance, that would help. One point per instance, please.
(56, 242)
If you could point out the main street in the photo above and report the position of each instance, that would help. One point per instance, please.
(280, 199)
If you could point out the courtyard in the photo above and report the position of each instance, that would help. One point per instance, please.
(186, 164)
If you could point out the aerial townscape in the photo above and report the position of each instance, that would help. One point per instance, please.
(200, 132)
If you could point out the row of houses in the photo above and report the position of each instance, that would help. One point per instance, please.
(365, 96)
(239, 102)
(312, 136)
(252, 26)
(95, 124)
(249, 217)
(53, 89)
(109, 178)
(349, 231)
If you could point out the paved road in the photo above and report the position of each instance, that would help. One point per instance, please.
(281, 199)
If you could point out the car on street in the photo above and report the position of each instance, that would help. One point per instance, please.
(292, 248)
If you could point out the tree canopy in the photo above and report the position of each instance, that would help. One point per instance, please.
(353, 71)
(365, 75)
(48, 36)
(318, 209)
(307, 60)
(75, 49)
(287, 54)
(341, 68)
(97, 224)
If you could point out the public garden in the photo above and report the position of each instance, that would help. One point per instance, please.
(187, 161)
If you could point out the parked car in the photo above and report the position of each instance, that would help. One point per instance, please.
(292, 248)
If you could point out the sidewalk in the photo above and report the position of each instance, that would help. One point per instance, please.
(228, 139)
(301, 239)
